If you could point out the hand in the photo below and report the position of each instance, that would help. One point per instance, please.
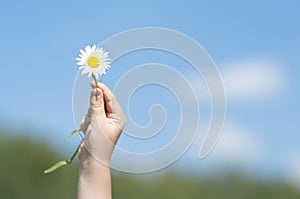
(102, 125)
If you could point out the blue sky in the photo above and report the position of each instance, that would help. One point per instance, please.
(40, 41)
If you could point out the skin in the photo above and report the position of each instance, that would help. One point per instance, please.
(102, 125)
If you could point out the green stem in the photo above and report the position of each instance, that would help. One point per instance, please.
(62, 163)
(96, 81)
(69, 161)
(74, 154)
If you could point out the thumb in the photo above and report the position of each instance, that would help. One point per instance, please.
(97, 103)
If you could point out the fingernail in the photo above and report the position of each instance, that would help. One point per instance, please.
(97, 92)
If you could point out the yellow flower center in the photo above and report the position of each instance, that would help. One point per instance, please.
(93, 61)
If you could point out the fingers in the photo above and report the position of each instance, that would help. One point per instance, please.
(85, 122)
(109, 98)
(97, 102)
(112, 107)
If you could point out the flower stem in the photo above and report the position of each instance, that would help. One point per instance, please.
(74, 154)
(63, 162)
(69, 161)
(95, 79)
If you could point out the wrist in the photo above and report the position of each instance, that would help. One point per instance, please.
(91, 162)
(88, 161)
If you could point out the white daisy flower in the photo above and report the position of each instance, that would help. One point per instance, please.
(93, 60)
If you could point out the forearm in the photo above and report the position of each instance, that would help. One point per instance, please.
(94, 180)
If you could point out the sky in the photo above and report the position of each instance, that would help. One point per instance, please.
(254, 44)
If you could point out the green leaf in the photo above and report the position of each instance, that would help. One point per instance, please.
(56, 166)
(63, 162)
(73, 133)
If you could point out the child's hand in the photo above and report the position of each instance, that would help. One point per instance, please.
(102, 125)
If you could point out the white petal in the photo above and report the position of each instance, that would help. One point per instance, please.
(92, 54)
(88, 49)
(79, 59)
(94, 48)
(79, 63)
(98, 51)
(82, 52)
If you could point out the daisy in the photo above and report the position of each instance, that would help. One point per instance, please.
(94, 61)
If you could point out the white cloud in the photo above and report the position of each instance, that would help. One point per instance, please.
(246, 80)
(249, 80)
(237, 146)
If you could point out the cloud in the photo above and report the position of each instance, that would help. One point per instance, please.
(245, 80)
(237, 146)
(252, 79)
